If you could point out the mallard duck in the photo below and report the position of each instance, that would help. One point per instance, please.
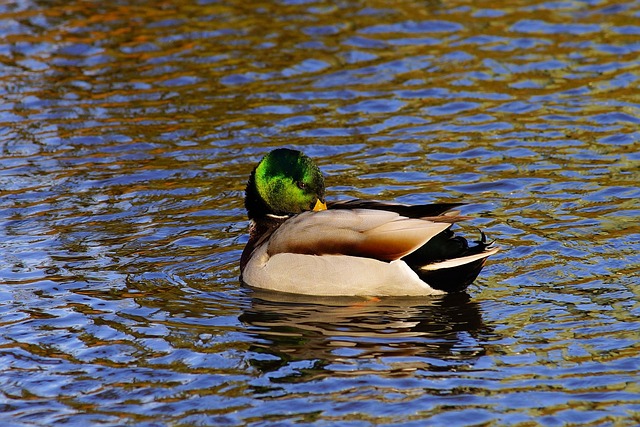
(300, 244)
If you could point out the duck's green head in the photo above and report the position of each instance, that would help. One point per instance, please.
(284, 182)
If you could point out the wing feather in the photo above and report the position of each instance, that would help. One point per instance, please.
(368, 233)
(411, 211)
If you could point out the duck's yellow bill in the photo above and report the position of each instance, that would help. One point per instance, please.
(320, 205)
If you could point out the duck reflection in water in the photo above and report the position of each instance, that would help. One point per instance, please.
(397, 335)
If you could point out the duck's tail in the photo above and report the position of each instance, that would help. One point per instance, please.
(457, 273)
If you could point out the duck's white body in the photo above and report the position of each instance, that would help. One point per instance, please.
(349, 252)
(334, 275)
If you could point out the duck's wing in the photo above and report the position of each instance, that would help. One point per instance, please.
(410, 211)
(370, 233)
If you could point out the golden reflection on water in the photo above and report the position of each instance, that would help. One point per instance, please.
(139, 66)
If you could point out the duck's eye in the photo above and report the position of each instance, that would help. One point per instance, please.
(301, 185)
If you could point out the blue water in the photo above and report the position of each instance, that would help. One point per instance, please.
(127, 134)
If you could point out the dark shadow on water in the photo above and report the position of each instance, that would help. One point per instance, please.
(350, 335)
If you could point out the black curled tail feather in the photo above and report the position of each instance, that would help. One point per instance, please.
(447, 246)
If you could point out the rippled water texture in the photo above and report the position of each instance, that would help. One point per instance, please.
(128, 130)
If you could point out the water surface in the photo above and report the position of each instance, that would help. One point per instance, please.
(127, 133)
